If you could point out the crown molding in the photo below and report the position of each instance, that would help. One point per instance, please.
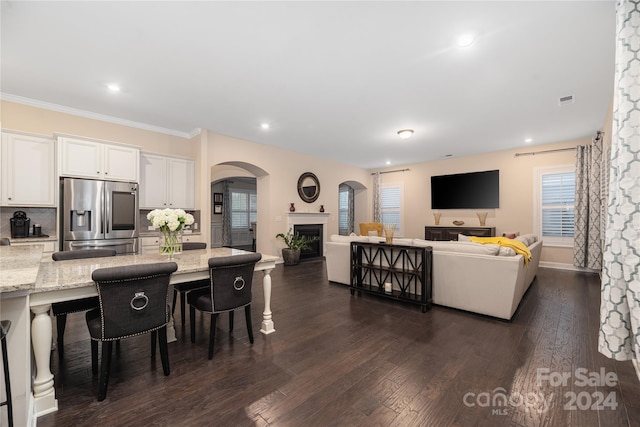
(91, 115)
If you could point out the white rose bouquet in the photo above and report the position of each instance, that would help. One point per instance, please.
(170, 222)
(169, 219)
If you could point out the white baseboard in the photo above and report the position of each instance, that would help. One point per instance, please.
(563, 266)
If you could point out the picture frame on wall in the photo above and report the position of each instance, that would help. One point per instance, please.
(217, 198)
(217, 209)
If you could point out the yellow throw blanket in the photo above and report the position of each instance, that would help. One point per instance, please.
(516, 245)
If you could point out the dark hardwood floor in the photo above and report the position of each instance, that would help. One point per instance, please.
(342, 360)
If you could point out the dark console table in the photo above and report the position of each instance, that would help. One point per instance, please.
(402, 273)
(451, 233)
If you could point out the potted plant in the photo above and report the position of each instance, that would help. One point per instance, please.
(295, 243)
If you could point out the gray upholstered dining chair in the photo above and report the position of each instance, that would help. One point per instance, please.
(183, 288)
(133, 301)
(231, 279)
(5, 242)
(61, 309)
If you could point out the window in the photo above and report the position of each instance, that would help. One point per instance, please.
(345, 196)
(555, 205)
(391, 200)
(243, 208)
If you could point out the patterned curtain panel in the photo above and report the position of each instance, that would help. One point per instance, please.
(226, 215)
(619, 336)
(587, 242)
(350, 213)
(377, 209)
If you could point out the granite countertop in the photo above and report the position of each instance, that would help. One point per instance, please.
(26, 268)
(155, 233)
(33, 239)
(77, 273)
(19, 266)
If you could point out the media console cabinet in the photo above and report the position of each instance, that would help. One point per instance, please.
(451, 233)
(399, 272)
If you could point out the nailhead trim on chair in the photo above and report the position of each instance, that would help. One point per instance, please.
(168, 310)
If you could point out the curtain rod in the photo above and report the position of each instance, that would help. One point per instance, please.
(533, 153)
(599, 135)
(397, 170)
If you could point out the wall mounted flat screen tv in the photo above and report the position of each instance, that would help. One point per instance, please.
(475, 190)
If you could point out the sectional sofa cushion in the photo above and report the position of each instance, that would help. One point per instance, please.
(348, 239)
(461, 247)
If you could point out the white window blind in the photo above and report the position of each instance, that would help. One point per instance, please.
(343, 210)
(243, 208)
(391, 205)
(558, 200)
(556, 205)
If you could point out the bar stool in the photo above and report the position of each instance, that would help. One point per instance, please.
(5, 325)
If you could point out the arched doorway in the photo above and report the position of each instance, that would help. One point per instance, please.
(236, 189)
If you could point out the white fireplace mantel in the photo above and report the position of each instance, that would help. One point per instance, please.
(304, 218)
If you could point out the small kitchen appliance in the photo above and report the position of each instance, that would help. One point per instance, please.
(20, 224)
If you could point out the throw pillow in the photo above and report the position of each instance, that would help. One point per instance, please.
(463, 238)
(504, 251)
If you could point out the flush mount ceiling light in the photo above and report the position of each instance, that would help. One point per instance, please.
(113, 87)
(466, 40)
(405, 133)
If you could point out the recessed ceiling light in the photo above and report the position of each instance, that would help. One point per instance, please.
(113, 87)
(528, 140)
(388, 162)
(466, 40)
(265, 126)
(405, 133)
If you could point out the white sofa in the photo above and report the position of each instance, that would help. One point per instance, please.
(484, 279)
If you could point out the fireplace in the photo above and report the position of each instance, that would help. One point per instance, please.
(319, 222)
(310, 231)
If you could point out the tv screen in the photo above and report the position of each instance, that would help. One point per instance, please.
(475, 190)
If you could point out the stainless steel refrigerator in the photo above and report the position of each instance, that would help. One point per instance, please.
(99, 215)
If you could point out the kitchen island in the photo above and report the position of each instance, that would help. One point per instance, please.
(31, 280)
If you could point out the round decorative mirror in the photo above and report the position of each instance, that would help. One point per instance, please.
(308, 187)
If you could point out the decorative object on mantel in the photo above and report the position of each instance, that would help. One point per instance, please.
(170, 223)
(458, 222)
(321, 208)
(294, 242)
(482, 216)
(436, 217)
(292, 208)
(389, 229)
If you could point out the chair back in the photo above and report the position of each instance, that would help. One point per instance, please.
(133, 298)
(366, 227)
(84, 253)
(231, 279)
(189, 246)
(5, 242)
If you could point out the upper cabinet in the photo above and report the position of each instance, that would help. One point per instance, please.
(98, 160)
(28, 170)
(166, 182)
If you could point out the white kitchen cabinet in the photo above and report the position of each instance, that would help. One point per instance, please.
(151, 244)
(98, 160)
(49, 246)
(191, 238)
(166, 182)
(28, 170)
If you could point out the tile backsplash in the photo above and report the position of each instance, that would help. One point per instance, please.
(46, 217)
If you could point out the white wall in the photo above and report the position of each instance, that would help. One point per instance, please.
(516, 191)
(277, 173)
